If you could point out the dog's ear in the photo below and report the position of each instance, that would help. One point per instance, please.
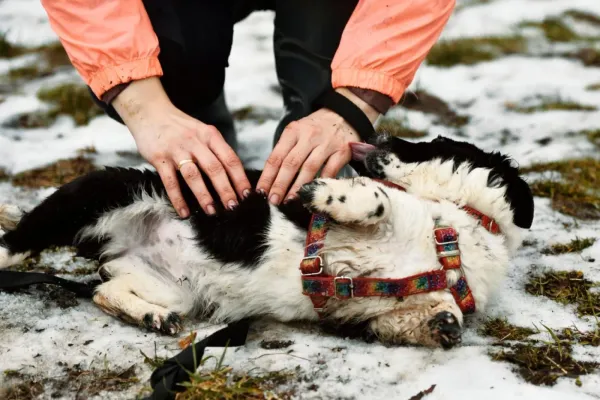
(521, 201)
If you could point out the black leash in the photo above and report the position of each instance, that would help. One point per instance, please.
(165, 380)
(12, 280)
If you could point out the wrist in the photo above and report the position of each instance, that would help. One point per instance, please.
(371, 113)
(141, 98)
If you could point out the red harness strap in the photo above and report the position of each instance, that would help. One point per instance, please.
(320, 287)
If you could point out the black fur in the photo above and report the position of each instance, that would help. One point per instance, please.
(230, 236)
(518, 193)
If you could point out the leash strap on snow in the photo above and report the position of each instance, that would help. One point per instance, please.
(12, 280)
(166, 380)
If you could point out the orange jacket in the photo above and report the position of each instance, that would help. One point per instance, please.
(111, 42)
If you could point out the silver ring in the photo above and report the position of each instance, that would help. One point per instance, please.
(183, 162)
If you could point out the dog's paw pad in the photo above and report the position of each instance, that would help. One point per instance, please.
(170, 324)
(446, 329)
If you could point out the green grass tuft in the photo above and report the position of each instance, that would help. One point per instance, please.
(574, 246)
(9, 50)
(584, 16)
(549, 104)
(554, 29)
(396, 128)
(54, 175)
(70, 99)
(567, 287)
(543, 365)
(578, 192)
(502, 330)
(471, 51)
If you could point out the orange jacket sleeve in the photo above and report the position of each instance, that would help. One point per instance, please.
(385, 42)
(108, 41)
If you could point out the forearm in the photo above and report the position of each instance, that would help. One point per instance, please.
(141, 98)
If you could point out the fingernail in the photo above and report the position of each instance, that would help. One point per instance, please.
(210, 210)
(261, 192)
(232, 204)
(184, 213)
(246, 193)
(274, 199)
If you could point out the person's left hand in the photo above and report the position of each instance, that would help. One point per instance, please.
(318, 140)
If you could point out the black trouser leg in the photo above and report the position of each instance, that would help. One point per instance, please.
(307, 35)
(195, 38)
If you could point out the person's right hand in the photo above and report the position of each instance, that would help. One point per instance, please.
(165, 136)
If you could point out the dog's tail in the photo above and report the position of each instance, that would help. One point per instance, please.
(59, 218)
(10, 215)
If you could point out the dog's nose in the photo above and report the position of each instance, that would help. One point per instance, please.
(360, 150)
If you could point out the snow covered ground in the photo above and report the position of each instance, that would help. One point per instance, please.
(39, 338)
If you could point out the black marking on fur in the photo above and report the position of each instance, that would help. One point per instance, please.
(329, 200)
(342, 199)
(378, 212)
(383, 191)
(376, 195)
(230, 236)
(502, 172)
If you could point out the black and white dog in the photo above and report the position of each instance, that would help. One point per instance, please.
(158, 268)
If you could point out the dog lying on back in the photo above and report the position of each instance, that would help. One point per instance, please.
(158, 269)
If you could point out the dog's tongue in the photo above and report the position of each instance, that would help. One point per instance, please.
(360, 150)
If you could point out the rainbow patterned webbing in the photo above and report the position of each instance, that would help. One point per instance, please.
(320, 287)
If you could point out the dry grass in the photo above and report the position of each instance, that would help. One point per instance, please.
(54, 175)
(500, 329)
(577, 193)
(70, 99)
(567, 287)
(543, 365)
(574, 246)
(394, 127)
(554, 30)
(471, 51)
(550, 104)
(593, 87)
(583, 16)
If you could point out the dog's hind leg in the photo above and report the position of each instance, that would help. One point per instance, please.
(137, 294)
(9, 218)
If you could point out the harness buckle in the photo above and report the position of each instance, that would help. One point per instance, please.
(320, 265)
(441, 243)
(335, 294)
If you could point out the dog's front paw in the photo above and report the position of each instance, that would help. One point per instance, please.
(445, 329)
(357, 200)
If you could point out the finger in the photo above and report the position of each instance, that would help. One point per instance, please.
(212, 167)
(335, 163)
(192, 176)
(284, 146)
(289, 168)
(308, 171)
(233, 165)
(166, 171)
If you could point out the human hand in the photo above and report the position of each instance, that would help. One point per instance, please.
(318, 140)
(165, 137)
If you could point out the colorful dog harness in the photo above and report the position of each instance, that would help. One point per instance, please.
(321, 287)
